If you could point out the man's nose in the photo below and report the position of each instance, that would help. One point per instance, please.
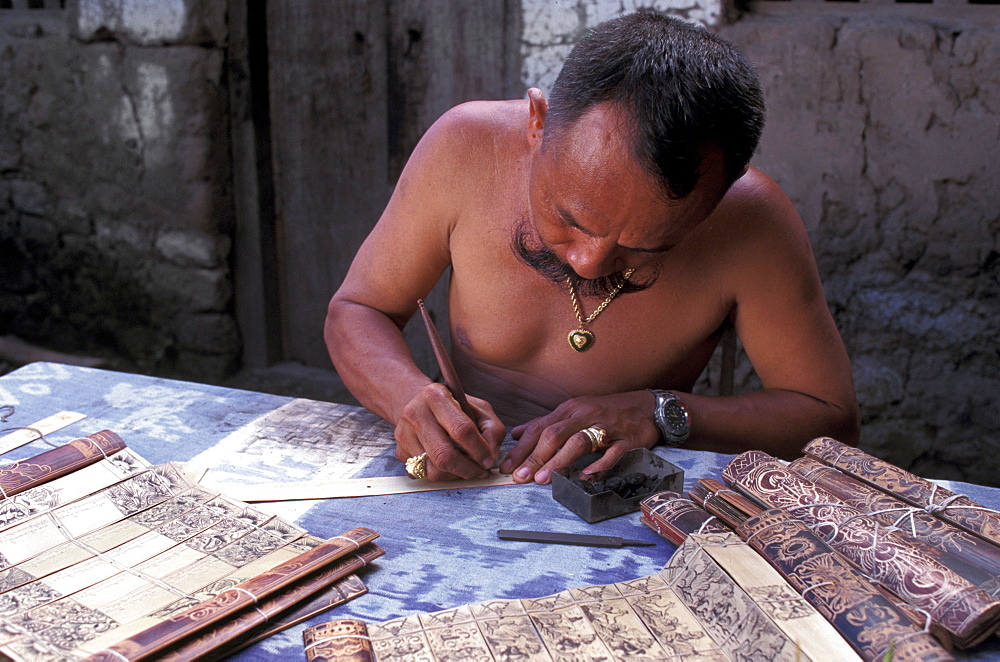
(592, 259)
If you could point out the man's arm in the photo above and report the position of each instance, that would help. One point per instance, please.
(398, 264)
(781, 316)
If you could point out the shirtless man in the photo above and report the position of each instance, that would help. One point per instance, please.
(626, 202)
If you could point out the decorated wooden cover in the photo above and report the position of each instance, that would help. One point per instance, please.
(954, 603)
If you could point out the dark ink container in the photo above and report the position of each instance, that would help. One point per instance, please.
(617, 491)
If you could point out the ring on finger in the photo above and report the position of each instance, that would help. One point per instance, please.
(416, 466)
(597, 436)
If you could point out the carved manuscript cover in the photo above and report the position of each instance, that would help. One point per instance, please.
(955, 508)
(867, 620)
(969, 555)
(954, 603)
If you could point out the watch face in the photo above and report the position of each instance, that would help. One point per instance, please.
(676, 417)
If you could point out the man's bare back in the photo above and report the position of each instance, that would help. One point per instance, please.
(484, 176)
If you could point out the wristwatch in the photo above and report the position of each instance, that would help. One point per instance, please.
(671, 418)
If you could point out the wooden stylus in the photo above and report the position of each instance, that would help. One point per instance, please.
(448, 374)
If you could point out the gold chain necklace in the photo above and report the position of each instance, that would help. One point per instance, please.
(581, 339)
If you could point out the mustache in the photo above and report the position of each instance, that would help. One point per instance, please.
(542, 259)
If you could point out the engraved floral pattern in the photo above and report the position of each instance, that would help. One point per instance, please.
(66, 624)
(692, 609)
(12, 578)
(27, 504)
(26, 597)
(953, 602)
(852, 605)
(139, 492)
(780, 602)
(909, 487)
(968, 555)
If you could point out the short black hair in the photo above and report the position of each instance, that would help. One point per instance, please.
(683, 89)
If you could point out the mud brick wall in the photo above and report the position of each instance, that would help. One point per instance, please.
(115, 209)
(884, 132)
(115, 212)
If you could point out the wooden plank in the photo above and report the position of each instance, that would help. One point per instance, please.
(328, 118)
(353, 87)
(962, 14)
(438, 59)
(254, 259)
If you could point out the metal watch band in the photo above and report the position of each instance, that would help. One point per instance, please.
(671, 418)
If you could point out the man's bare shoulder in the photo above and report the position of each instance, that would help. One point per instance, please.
(757, 210)
(761, 238)
(477, 127)
(757, 194)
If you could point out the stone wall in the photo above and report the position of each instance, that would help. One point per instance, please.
(884, 132)
(115, 210)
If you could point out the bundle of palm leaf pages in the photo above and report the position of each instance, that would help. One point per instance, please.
(106, 557)
(902, 568)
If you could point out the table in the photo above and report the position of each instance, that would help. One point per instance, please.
(441, 547)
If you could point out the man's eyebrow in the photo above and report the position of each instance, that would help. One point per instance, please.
(567, 218)
(658, 249)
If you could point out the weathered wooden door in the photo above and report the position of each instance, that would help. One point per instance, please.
(353, 85)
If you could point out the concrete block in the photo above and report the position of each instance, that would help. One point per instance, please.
(550, 28)
(209, 333)
(151, 22)
(200, 365)
(39, 232)
(705, 12)
(30, 197)
(193, 248)
(187, 289)
(112, 236)
(878, 385)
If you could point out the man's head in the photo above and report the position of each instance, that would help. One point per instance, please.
(651, 120)
(682, 90)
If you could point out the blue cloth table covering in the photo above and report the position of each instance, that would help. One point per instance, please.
(441, 547)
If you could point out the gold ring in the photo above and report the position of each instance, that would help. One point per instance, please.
(416, 466)
(596, 435)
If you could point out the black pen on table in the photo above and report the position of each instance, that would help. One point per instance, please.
(557, 538)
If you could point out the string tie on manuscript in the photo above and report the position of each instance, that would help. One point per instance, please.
(815, 586)
(350, 540)
(895, 645)
(243, 590)
(932, 507)
(701, 529)
(336, 637)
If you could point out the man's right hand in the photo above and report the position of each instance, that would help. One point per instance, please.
(456, 446)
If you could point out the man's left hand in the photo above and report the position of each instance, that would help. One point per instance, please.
(556, 440)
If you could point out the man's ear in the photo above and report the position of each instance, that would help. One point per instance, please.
(537, 107)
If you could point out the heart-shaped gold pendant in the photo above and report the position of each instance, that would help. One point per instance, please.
(580, 340)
